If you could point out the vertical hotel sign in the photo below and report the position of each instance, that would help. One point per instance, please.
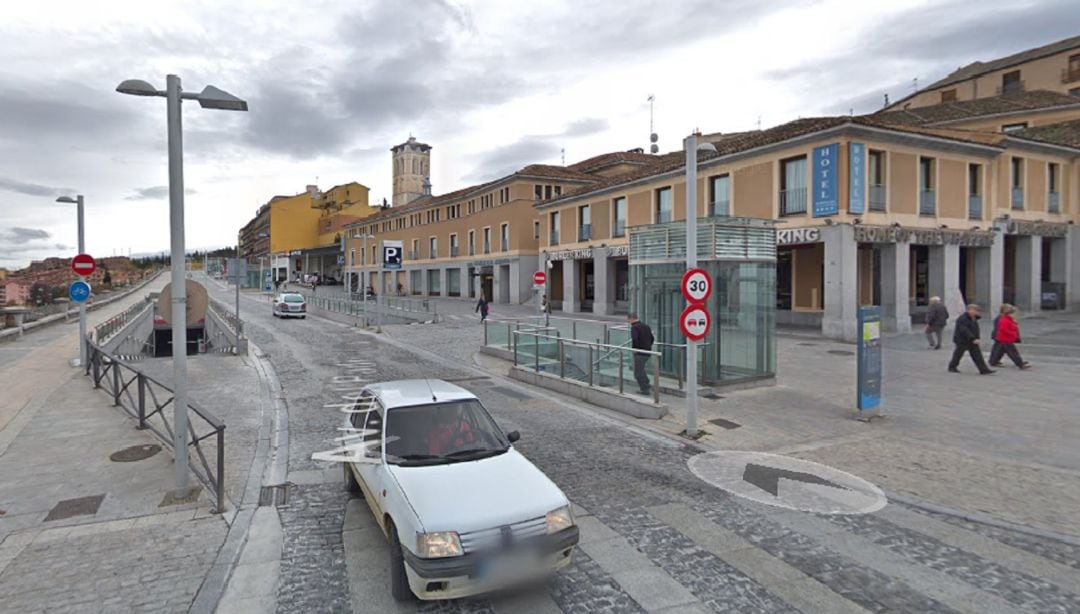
(857, 178)
(825, 180)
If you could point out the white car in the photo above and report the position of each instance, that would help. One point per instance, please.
(464, 512)
(290, 305)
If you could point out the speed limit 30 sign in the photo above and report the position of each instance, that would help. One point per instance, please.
(696, 286)
(694, 322)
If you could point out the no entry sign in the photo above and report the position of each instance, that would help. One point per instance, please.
(694, 322)
(539, 278)
(696, 286)
(83, 265)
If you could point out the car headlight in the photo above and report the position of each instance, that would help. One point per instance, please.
(438, 545)
(559, 519)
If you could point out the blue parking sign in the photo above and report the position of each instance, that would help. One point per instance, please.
(79, 291)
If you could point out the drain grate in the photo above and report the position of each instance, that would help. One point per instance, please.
(135, 453)
(510, 392)
(274, 495)
(728, 424)
(842, 352)
(82, 506)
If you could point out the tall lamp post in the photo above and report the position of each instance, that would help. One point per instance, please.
(210, 98)
(78, 201)
(364, 282)
(691, 147)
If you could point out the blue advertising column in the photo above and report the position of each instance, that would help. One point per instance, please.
(868, 357)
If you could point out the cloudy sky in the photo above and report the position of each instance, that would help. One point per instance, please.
(491, 84)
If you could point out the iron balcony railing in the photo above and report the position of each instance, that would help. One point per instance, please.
(504, 245)
(1017, 197)
(149, 402)
(720, 208)
(487, 247)
(472, 250)
(927, 202)
(585, 232)
(453, 251)
(793, 201)
(974, 207)
(877, 197)
(554, 239)
(412, 255)
(663, 216)
(1053, 202)
(620, 229)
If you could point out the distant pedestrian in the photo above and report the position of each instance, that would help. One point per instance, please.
(937, 316)
(482, 308)
(966, 338)
(1006, 336)
(545, 307)
(641, 338)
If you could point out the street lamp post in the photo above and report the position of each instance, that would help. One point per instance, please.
(78, 201)
(364, 281)
(236, 278)
(210, 98)
(691, 148)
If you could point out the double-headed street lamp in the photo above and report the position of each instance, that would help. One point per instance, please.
(691, 148)
(78, 201)
(210, 98)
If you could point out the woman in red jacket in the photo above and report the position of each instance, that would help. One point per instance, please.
(1006, 336)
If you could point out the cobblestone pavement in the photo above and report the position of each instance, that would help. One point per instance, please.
(654, 537)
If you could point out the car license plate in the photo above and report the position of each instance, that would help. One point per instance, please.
(508, 566)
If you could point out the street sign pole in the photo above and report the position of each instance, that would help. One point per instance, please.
(239, 324)
(82, 305)
(691, 263)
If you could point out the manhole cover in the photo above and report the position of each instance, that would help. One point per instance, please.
(274, 495)
(135, 453)
(842, 352)
(728, 424)
(83, 506)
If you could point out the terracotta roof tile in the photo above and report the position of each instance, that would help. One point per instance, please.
(973, 109)
(1064, 133)
(613, 158)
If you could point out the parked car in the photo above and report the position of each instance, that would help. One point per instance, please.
(464, 512)
(290, 305)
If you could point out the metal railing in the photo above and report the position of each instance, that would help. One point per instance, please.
(553, 239)
(544, 352)
(620, 229)
(453, 251)
(487, 247)
(721, 208)
(1053, 202)
(104, 331)
(1017, 197)
(793, 201)
(927, 202)
(585, 232)
(225, 314)
(394, 306)
(974, 207)
(877, 197)
(146, 400)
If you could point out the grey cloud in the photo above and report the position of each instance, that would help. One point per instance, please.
(585, 127)
(19, 235)
(156, 192)
(30, 189)
(507, 159)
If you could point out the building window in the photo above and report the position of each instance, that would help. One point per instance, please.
(487, 240)
(1011, 83)
(1016, 173)
(1073, 72)
(665, 206)
(538, 192)
(1053, 201)
(453, 246)
(504, 237)
(975, 191)
(433, 248)
(927, 181)
(793, 186)
(352, 257)
(547, 192)
(414, 254)
(472, 243)
(618, 227)
(558, 190)
(536, 230)
(554, 228)
(1014, 127)
(584, 223)
(719, 196)
(948, 95)
(876, 161)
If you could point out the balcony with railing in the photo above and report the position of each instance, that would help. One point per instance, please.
(1053, 202)
(720, 208)
(504, 244)
(927, 202)
(663, 216)
(585, 232)
(620, 229)
(412, 254)
(453, 251)
(974, 206)
(1017, 198)
(487, 247)
(472, 250)
(877, 198)
(793, 201)
(554, 239)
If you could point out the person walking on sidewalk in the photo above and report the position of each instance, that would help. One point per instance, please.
(1006, 336)
(936, 319)
(641, 338)
(966, 338)
(482, 308)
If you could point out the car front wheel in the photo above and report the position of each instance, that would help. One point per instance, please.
(399, 582)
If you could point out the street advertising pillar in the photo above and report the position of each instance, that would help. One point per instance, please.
(868, 359)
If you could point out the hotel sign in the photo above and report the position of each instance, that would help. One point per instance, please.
(618, 250)
(483, 263)
(1039, 229)
(857, 178)
(923, 236)
(825, 202)
(571, 254)
(795, 236)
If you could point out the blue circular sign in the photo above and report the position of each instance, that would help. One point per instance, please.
(79, 291)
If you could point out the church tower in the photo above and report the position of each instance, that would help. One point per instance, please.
(412, 171)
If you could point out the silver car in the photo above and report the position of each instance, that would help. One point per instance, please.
(290, 305)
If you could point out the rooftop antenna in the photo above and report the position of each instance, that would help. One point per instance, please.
(563, 152)
(653, 148)
(759, 122)
(886, 98)
(915, 84)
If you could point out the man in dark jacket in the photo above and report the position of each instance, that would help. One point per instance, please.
(936, 319)
(482, 308)
(966, 338)
(641, 338)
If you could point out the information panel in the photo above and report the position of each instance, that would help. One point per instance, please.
(869, 359)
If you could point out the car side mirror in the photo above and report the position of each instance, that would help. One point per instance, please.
(513, 436)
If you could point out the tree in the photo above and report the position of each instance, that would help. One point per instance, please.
(106, 279)
(42, 294)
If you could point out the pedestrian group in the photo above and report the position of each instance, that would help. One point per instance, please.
(1005, 333)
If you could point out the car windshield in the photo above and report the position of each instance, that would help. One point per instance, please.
(442, 433)
(293, 298)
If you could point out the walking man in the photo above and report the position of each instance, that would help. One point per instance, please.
(966, 338)
(936, 318)
(482, 307)
(641, 338)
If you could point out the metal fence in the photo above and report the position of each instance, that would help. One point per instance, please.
(104, 331)
(596, 364)
(224, 313)
(393, 306)
(146, 400)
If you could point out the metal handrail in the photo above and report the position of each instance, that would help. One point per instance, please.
(119, 379)
(109, 327)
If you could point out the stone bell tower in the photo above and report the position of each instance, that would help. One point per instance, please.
(412, 171)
